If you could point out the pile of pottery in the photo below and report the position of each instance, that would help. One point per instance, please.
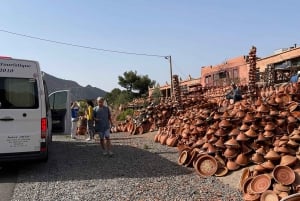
(218, 138)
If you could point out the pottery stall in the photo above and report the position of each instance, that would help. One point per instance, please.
(216, 137)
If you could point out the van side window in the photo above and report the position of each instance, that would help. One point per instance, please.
(18, 93)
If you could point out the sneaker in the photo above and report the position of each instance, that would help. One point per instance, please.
(104, 153)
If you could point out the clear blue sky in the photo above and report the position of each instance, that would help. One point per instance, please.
(195, 33)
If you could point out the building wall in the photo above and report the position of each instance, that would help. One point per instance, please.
(184, 84)
(236, 70)
(288, 54)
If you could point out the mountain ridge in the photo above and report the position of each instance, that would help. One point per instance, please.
(78, 92)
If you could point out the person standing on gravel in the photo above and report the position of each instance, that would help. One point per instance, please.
(90, 120)
(74, 119)
(103, 123)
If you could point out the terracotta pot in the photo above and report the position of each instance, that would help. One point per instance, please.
(257, 158)
(269, 196)
(263, 108)
(251, 133)
(260, 183)
(259, 168)
(220, 132)
(232, 165)
(245, 174)
(220, 143)
(269, 127)
(171, 141)
(206, 165)
(242, 159)
(248, 118)
(230, 153)
(234, 132)
(244, 127)
(163, 139)
(222, 171)
(242, 137)
(183, 157)
(284, 175)
(272, 155)
(288, 160)
(224, 124)
(268, 165)
(233, 143)
(260, 137)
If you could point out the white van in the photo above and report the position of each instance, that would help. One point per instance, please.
(25, 116)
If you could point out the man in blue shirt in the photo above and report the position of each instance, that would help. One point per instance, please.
(103, 124)
(234, 94)
(294, 78)
(74, 118)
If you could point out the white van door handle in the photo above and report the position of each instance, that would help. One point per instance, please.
(7, 119)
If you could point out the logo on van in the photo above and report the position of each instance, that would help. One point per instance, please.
(15, 65)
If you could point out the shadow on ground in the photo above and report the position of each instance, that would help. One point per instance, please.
(80, 160)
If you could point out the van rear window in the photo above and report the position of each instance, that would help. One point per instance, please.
(18, 93)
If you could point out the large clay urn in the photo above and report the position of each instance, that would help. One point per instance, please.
(157, 135)
(172, 140)
(163, 139)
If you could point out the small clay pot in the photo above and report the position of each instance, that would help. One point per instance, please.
(257, 158)
(233, 143)
(272, 155)
(232, 165)
(242, 159)
(230, 153)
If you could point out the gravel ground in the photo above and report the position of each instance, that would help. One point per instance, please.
(139, 170)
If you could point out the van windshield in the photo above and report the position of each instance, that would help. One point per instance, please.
(18, 93)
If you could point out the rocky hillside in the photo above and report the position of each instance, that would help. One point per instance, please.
(78, 92)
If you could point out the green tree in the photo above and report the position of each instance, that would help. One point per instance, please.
(142, 84)
(133, 82)
(117, 97)
(128, 80)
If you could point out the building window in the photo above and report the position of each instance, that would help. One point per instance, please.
(235, 73)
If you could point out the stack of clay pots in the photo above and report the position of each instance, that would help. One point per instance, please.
(252, 70)
(176, 90)
(216, 138)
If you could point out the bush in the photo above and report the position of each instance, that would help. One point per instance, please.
(124, 114)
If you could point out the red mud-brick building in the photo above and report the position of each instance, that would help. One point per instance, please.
(232, 70)
(279, 67)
